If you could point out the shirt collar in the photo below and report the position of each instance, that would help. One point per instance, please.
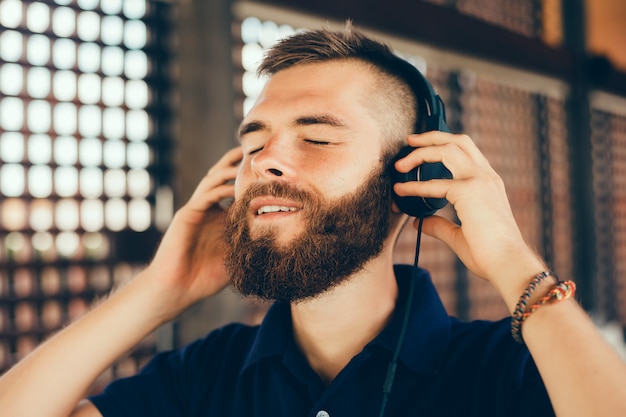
(427, 334)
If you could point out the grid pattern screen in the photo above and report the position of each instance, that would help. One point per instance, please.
(76, 157)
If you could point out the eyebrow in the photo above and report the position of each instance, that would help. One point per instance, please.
(321, 119)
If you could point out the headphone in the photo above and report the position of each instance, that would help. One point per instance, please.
(431, 116)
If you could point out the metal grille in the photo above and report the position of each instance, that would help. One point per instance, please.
(78, 148)
(521, 16)
(609, 159)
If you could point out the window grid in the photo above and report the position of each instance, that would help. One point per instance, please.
(79, 147)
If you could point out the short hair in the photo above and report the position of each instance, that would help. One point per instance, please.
(398, 100)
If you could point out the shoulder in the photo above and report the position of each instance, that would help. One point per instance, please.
(488, 347)
(175, 380)
(230, 343)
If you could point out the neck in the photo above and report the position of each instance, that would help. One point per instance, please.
(331, 329)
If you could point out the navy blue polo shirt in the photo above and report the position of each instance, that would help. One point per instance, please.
(446, 368)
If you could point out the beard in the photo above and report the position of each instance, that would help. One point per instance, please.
(339, 238)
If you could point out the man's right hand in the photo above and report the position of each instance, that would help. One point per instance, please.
(189, 263)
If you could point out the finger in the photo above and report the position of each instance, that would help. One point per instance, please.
(430, 189)
(441, 229)
(435, 138)
(453, 157)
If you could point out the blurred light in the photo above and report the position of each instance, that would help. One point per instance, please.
(39, 116)
(115, 214)
(138, 155)
(139, 214)
(10, 45)
(90, 152)
(111, 6)
(112, 30)
(66, 214)
(39, 149)
(64, 54)
(40, 181)
(251, 84)
(136, 66)
(114, 154)
(38, 17)
(136, 94)
(112, 61)
(42, 241)
(41, 216)
(38, 50)
(89, 4)
(11, 79)
(12, 180)
(65, 150)
(64, 85)
(134, 9)
(137, 125)
(14, 218)
(10, 13)
(269, 34)
(113, 123)
(63, 22)
(65, 118)
(89, 120)
(91, 182)
(11, 113)
(138, 183)
(12, 147)
(38, 82)
(66, 181)
(112, 91)
(67, 244)
(88, 57)
(92, 215)
(251, 56)
(88, 26)
(135, 34)
(115, 183)
(89, 88)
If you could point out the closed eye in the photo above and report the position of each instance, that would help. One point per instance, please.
(255, 150)
(317, 142)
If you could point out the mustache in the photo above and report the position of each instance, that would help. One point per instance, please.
(279, 190)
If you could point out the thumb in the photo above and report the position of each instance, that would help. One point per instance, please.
(441, 229)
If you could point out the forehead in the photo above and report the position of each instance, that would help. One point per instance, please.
(336, 86)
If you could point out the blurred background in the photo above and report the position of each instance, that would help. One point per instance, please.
(112, 110)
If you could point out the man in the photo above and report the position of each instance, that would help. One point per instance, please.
(313, 227)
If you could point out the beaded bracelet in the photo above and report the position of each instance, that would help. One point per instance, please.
(520, 308)
(561, 291)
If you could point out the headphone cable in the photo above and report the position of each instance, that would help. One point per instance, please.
(391, 369)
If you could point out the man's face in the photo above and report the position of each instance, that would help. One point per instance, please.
(339, 237)
(310, 144)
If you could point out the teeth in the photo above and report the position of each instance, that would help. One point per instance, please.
(275, 209)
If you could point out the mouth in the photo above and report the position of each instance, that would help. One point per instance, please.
(264, 206)
(276, 209)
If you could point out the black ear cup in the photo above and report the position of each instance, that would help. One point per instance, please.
(419, 206)
(434, 119)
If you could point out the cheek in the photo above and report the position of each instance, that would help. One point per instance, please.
(241, 181)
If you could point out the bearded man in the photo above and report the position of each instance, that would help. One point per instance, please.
(313, 227)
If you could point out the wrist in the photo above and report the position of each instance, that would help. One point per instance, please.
(512, 283)
(160, 302)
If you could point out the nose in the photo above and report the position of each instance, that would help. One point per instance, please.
(274, 160)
